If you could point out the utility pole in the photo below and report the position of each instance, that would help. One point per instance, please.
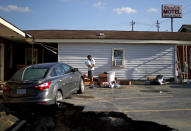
(171, 24)
(132, 24)
(158, 25)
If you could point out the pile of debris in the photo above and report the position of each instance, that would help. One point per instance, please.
(108, 80)
(155, 80)
(104, 80)
(9, 121)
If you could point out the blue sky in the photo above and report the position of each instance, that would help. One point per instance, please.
(91, 14)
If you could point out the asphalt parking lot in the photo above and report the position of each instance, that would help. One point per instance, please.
(167, 105)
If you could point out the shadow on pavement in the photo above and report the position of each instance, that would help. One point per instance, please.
(72, 117)
(180, 86)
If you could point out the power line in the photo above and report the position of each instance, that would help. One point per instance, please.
(151, 26)
(140, 23)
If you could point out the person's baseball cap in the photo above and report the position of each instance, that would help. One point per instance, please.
(89, 56)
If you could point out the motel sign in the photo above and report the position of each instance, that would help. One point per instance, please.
(171, 11)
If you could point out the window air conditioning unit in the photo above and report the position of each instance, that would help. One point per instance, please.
(118, 62)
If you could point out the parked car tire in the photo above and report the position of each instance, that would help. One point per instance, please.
(81, 86)
(59, 97)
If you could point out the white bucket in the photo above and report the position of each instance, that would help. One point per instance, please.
(111, 76)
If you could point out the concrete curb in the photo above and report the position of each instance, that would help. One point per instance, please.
(18, 125)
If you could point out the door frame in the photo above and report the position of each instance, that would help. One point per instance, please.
(183, 54)
(2, 61)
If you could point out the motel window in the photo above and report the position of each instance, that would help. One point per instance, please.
(118, 57)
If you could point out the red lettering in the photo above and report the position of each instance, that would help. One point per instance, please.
(165, 11)
(177, 12)
(171, 12)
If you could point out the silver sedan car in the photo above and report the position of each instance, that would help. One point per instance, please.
(43, 84)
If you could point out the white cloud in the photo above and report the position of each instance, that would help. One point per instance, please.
(125, 10)
(98, 4)
(152, 10)
(10, 8)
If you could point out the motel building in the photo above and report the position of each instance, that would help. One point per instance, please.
(131, 55)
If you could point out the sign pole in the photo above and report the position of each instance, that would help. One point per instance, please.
(171, 24)
(171, 11)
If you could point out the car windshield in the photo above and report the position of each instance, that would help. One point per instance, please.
(29, 74)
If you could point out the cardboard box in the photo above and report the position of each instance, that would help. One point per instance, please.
(125, 82)
(86, 83)
(151, 78)
(86, 79)
(103, 75)
(102, 79)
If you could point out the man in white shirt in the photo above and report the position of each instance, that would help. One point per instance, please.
(91, 68)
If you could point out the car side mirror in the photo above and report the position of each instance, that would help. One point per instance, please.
(75, 69)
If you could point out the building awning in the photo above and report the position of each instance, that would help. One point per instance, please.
(10, 32)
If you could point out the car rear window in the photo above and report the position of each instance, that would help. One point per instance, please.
(29, 74)
(34, 74)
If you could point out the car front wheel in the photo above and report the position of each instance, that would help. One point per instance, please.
(81, 86)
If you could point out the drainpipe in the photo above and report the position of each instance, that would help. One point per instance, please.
(186, 61)
(183, 63)
(175, 65)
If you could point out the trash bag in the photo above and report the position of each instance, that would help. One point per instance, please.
(159, 80)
